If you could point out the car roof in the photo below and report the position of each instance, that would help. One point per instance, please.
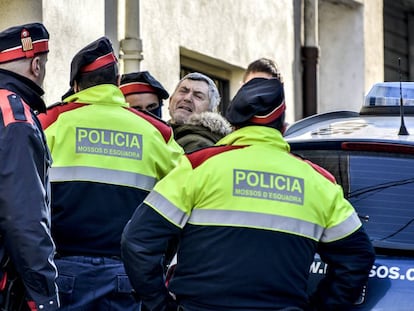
(387, 115)
(351, 126)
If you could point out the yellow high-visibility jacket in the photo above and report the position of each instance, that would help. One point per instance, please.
(249, 217)
(106, 159)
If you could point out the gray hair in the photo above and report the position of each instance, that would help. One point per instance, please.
(213, 93)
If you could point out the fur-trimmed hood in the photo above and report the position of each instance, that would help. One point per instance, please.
(211, 120)
(201, 130)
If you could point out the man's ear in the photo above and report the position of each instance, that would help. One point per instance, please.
(75, 86)
(35, 66)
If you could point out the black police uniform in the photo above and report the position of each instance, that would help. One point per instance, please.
(24, 182)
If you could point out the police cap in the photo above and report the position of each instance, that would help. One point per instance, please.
(24, 41)
(142, 82)
(95, 55)
(259, 101)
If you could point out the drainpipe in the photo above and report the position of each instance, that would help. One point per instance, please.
(131, 45)
(310, 58)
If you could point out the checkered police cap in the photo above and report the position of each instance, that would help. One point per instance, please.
(24, 41)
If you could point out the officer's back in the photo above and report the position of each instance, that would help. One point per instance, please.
(249, 217)
(106, 158)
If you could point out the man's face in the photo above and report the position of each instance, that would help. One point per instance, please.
(190, 97)
(143, 101)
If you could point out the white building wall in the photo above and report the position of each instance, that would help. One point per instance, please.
(351, 57)
(229, 34)
(72, 24)
(342, 57)
(235, 32)
(15, 12)
(373, 43)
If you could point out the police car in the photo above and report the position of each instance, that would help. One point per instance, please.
(371, 154)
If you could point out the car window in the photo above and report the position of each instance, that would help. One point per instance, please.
(380, 187)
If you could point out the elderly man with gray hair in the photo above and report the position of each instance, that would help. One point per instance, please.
(193, 111)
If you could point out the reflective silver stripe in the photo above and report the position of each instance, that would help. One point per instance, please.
(343, 229)
(256, 220)
(167, 209)
(115, 177)
(209, 217)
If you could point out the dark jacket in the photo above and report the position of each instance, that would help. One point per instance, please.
(249, 218)
(201, 130)
(24, 189)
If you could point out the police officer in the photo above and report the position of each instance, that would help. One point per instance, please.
(107, 157)
(24, 164)
(143, 92)
(249, 217)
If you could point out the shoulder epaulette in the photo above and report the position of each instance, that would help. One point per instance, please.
(161, 125)
(13, 108)
(53, 112)
(198, 157)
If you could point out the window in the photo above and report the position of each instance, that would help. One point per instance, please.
(379, 186)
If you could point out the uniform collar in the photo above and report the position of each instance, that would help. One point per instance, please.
(103, 94)
(24, 87)
(255, 135)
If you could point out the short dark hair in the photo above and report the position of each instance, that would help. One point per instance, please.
(104, 75)
(264, 65)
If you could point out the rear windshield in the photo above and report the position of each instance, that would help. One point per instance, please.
(381, 188)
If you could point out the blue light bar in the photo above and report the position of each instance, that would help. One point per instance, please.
(388, 94)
